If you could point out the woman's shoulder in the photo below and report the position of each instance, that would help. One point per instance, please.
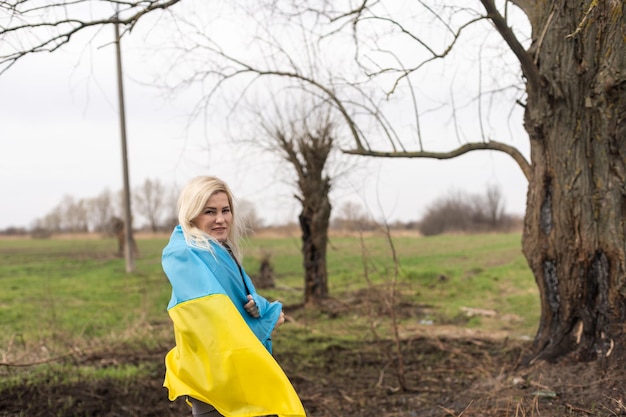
(177, 240)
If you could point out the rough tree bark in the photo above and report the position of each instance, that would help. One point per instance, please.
(307, 150)
(314, 220)
(574, 229)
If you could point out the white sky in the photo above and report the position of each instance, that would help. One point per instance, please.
(60, 135)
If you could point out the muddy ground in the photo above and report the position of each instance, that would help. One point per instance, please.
(441, 374)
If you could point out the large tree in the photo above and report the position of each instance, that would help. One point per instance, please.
(574, 231)
(574, 99)
(149, 202)
(574, 72)
(306, 143)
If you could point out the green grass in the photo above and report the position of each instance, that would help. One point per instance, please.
(57, 294)
(58, 288)
(67, 373)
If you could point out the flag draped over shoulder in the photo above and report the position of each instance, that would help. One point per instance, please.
(222, 354)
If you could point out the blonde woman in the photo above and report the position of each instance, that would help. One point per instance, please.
(222, 362)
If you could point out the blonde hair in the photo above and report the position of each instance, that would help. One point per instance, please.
(192, 201)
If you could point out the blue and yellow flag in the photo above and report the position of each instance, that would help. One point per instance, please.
(222, 354)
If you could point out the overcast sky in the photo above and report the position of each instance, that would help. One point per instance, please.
(60, 135)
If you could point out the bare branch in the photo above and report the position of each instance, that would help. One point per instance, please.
(529, 68)
(434, 55)
(468, 147)
(248, 68)
(60, 31)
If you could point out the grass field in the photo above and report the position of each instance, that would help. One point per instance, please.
(442, 330)
(61, 294)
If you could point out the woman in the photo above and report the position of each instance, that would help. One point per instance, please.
(222, 360)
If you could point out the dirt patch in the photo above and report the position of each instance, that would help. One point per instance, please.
(437, 377)
(435, 371)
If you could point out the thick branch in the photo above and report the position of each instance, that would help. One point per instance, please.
(468, 147)
(529, 68)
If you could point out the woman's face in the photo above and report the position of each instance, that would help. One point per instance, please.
(216, 217)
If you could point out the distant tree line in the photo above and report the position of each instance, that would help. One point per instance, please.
(456, 212)
(461, 212)
(154, 210)
(153, 204)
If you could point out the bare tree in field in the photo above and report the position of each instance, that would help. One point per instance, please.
(51, 222)
(572, 59)
(171, 208)
(494, 204)
(306, 143)
(150, 202)
(100, 211)
(353, 217)
(248, 212)
(74, 214)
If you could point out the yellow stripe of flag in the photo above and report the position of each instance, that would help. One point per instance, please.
(219, 360)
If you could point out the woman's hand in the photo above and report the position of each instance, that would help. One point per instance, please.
(280, 321)
(251, 307)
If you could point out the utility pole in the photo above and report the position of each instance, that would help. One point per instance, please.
(128, 227)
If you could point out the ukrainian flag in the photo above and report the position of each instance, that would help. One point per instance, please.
(222, 354)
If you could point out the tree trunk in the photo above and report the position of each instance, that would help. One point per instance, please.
(574, 230)
(314, 220)
(307, 148)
